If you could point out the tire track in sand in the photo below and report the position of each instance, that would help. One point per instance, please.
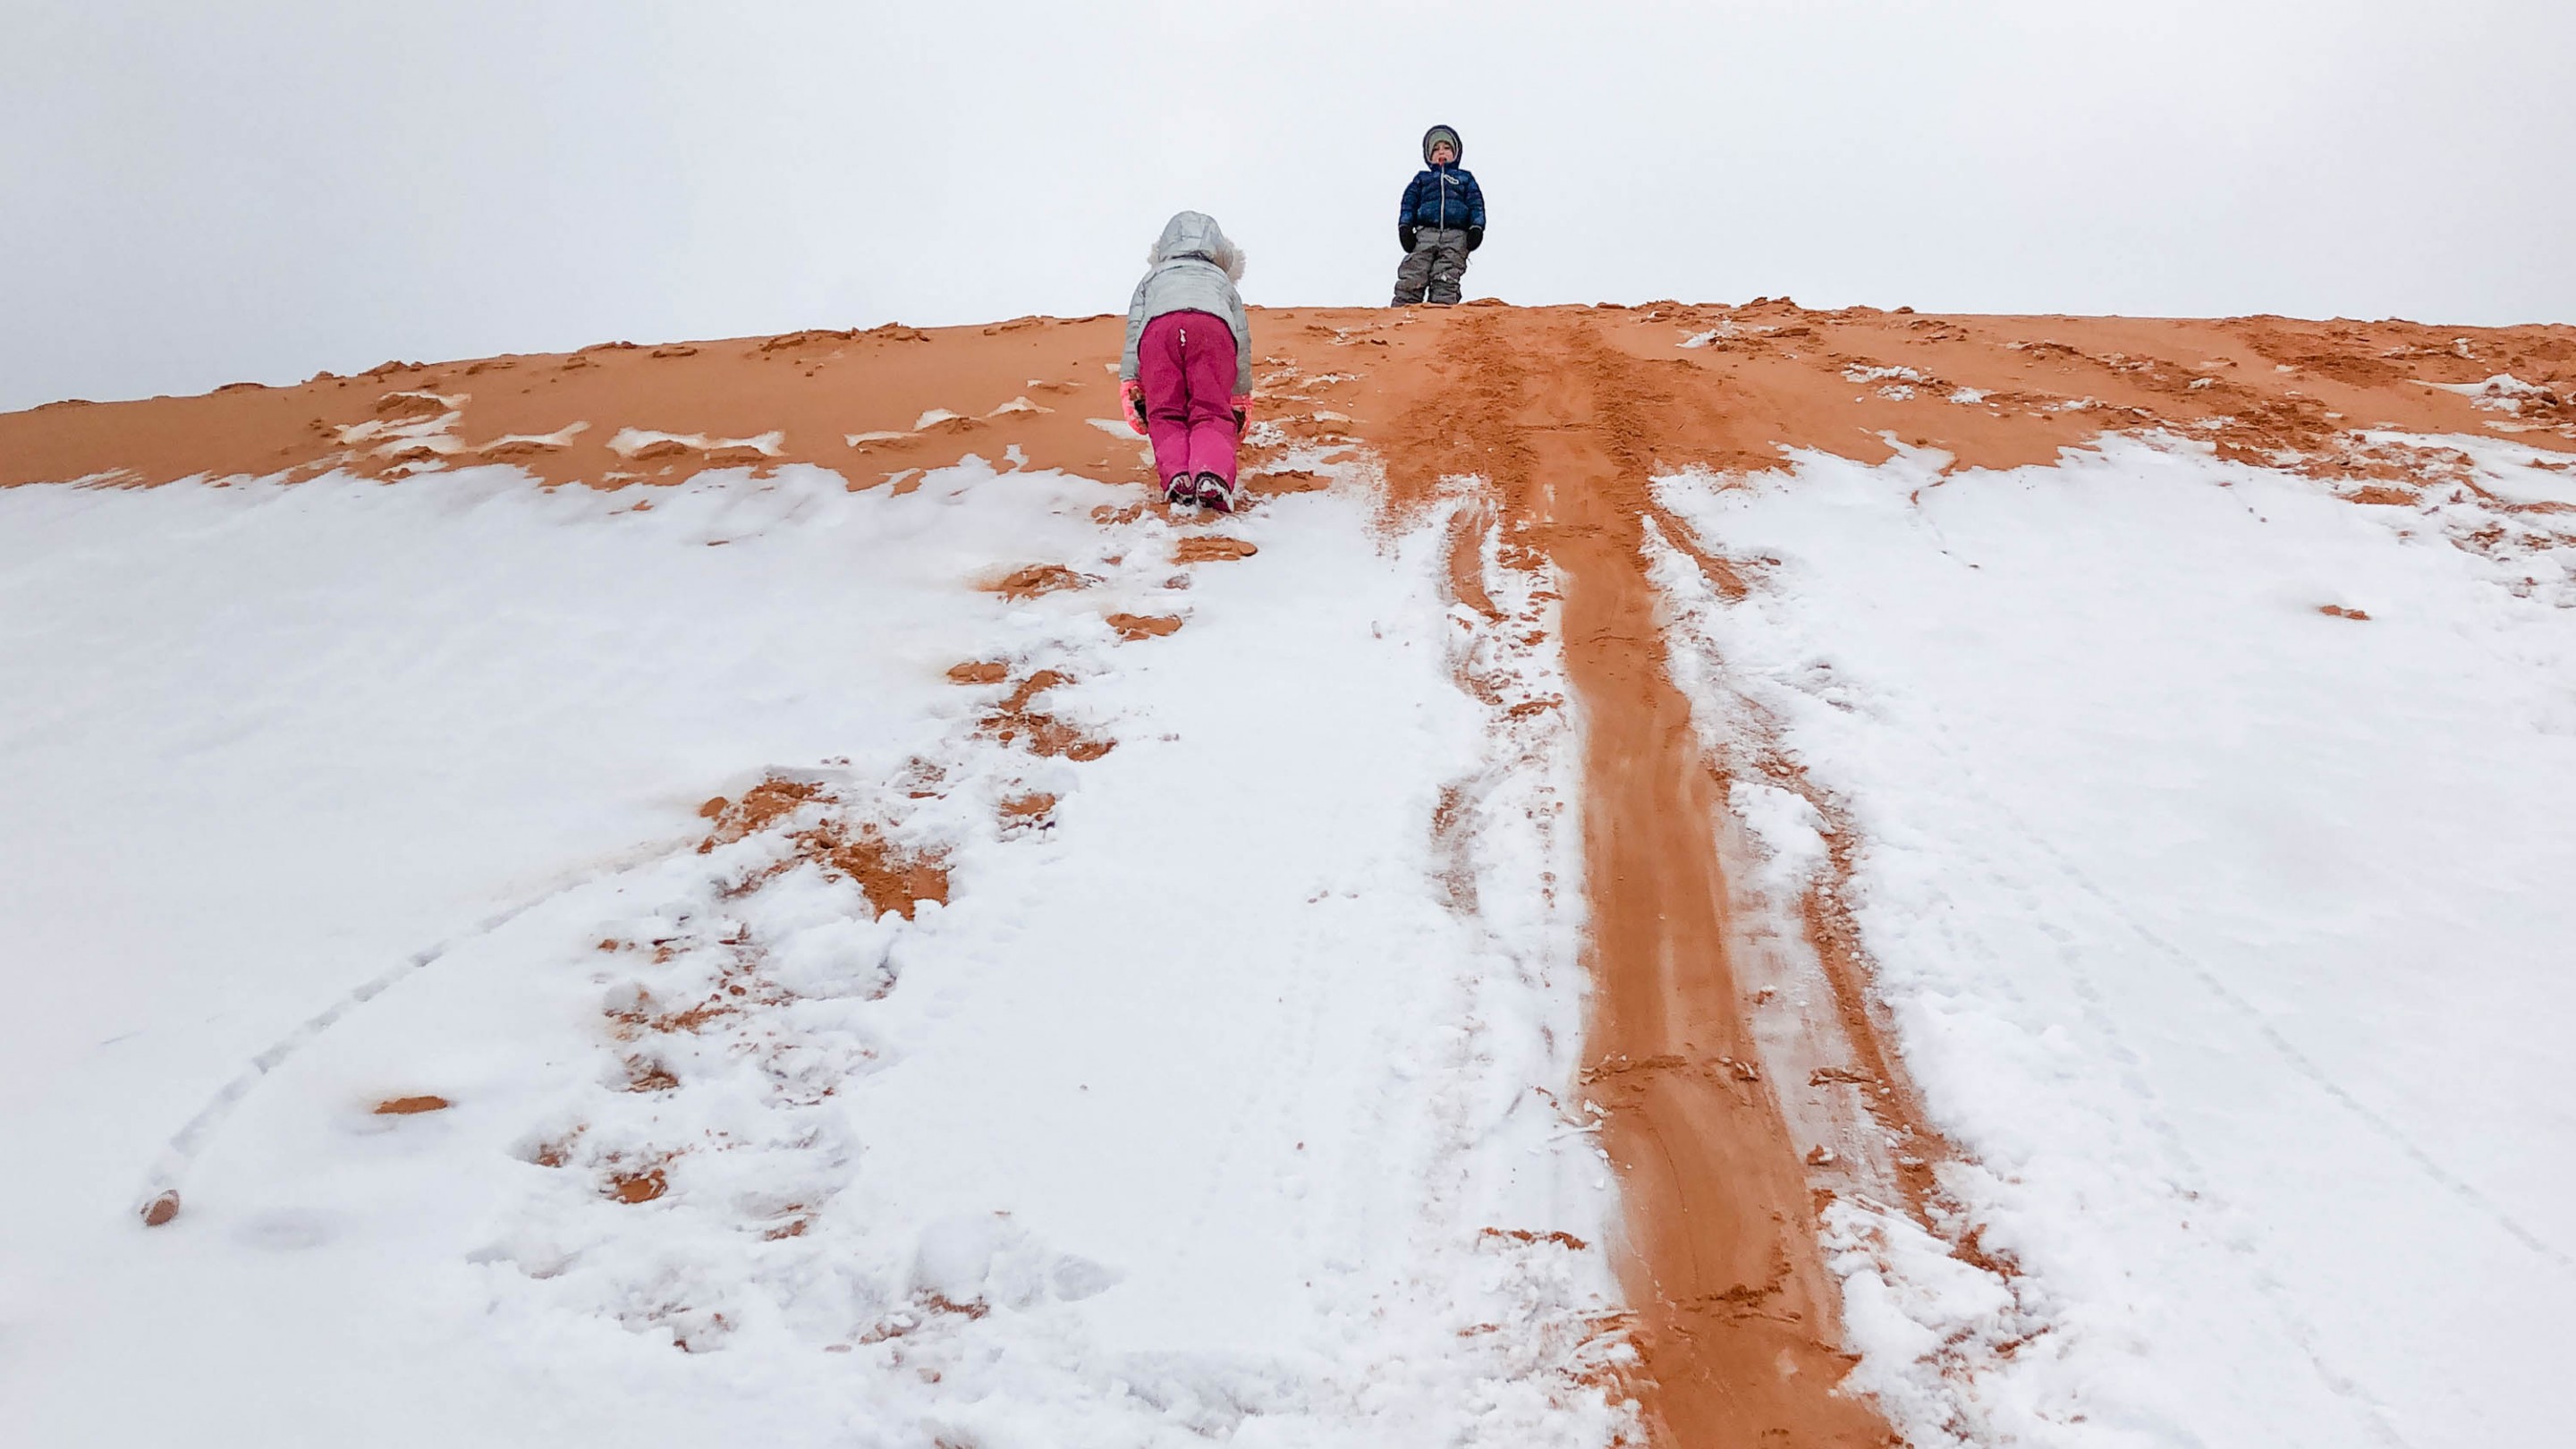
(1736, 1319)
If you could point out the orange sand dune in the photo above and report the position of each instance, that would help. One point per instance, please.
(871, 404)
(1564, 414)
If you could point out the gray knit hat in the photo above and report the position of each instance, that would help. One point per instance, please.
(1437, 134)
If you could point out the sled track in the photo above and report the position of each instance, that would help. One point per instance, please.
(169, 1171)
(1736, 1316)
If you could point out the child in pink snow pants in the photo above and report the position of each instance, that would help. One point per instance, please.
(1187, 374)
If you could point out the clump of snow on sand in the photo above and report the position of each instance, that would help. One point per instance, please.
(2223, 933)
(1789, 829)
(2502, 393)
(1200, 1108)
(631, 442)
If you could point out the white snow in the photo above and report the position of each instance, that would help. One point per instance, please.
(1790, 833)
(2227, 937)
(560, 438)
(2465, 467)
(631, 441)
(429, 438)
(2502, 393)
(1224, 1100)
(1864, 372)
(1186, 1118)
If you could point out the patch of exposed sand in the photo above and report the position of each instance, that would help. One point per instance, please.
(1212, 548)
(1036, 579)
(1144, 626)
(1017, 721)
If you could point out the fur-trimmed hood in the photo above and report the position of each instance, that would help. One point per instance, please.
(1196, 234)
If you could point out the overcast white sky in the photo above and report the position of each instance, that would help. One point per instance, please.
(198, 193)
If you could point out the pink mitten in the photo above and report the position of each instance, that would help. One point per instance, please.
(1131, 404)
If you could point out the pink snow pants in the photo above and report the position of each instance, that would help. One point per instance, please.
(1185, 362)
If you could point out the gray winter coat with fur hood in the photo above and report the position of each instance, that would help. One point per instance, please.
(1193, 268)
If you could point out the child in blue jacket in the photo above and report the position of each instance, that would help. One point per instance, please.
(1442, 219)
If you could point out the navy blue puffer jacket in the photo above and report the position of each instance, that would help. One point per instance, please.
(1443, 196)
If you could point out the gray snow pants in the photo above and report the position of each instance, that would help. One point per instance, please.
(1437, 261)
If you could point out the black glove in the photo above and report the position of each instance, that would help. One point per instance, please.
(1475, 237)
(1238, 422)
(1404, 237)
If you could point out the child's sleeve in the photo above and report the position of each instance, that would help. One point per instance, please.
(1404, 208)
(1475, 204)
(1135, 329)
(1242, 346)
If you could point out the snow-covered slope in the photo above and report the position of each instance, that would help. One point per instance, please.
(1188, 1112)
(2229, 936)
(1677, 850)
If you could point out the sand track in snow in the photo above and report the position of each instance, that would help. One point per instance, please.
(1734, 1314)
